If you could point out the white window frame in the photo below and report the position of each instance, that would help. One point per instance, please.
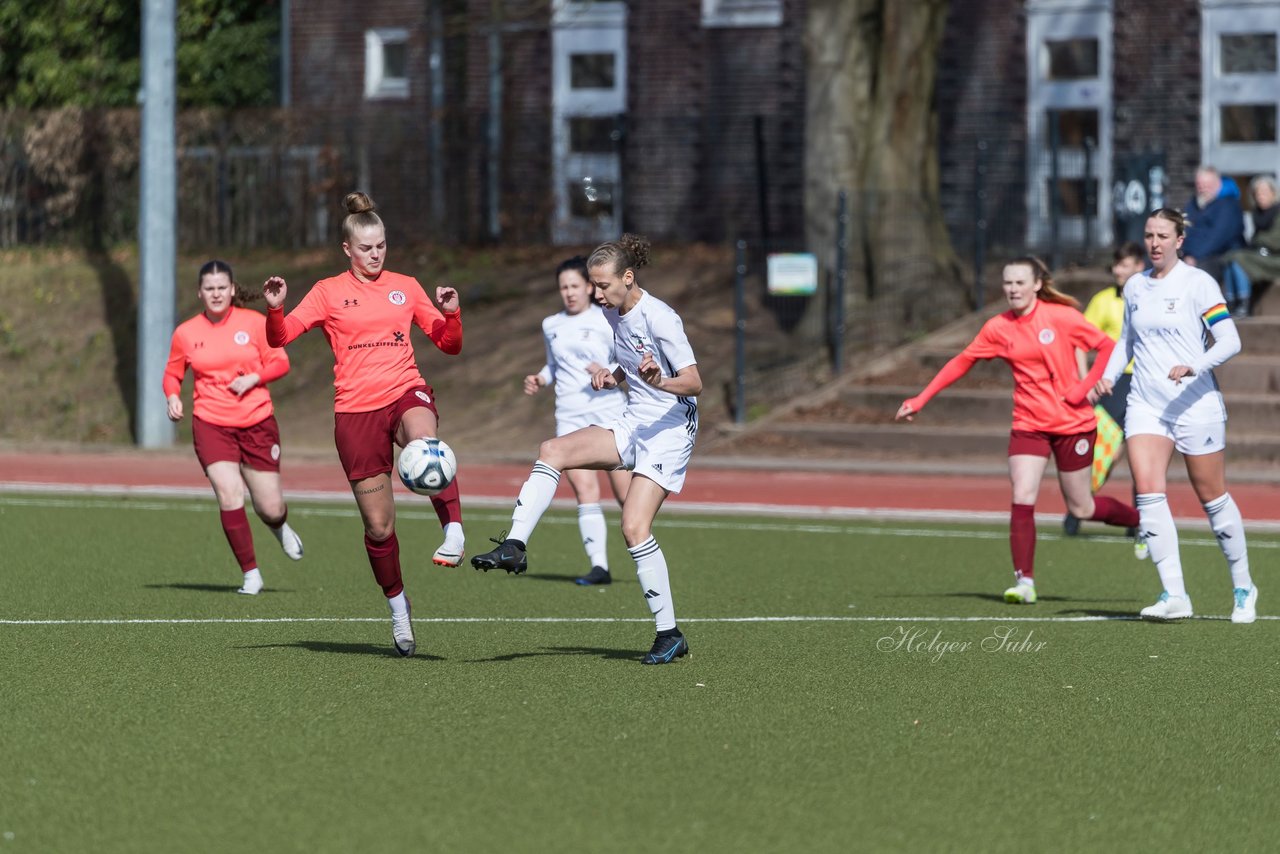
(1218, 18)
(585, 27)
(1066, 19)
(377, 85)
(741, 13)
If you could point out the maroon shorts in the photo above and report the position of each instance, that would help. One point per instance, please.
(256, 446)
(1071, 451)
(365, 439)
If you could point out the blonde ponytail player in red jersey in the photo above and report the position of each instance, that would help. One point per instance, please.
(380, 398)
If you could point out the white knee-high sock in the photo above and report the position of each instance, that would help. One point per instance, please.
(594, 534)
(1156, 520)
(1228, 527)
(651, 569)
(534, 499)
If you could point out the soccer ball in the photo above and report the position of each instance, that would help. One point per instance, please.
(427, 466)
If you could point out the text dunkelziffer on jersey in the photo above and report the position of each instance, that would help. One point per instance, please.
(1040, 349)
(367, 325)
(574, 341)
(219, 352)
(653, 327)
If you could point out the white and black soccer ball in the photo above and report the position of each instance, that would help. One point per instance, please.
(427, 466)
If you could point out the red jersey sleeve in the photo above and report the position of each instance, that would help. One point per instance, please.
(275, 361)
(444, 330)
(308, 314)
(176, 368)
(1087, 337)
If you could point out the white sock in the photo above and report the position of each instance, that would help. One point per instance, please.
(651, 569)
(534, 499)
(399, 605)
(594, 534)
(1161, 537)
(1228, 527)
(453, 535)
(251, 583)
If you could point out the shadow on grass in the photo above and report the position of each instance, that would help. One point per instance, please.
(384, 651)
(561, 578)
(120, 307)
(209, 588)
(995, 597)
(606, 654)
(1131, 614)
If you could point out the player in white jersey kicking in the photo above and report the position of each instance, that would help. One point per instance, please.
(579, 341)
(1174, 402)
(653, 438)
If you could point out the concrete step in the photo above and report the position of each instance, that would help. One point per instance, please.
(1248, 413)
(917, 441)
(1260, 335)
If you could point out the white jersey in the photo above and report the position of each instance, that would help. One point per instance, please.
(574, 341)
(1166, 323)
(653, 327)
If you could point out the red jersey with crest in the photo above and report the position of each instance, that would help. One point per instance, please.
(1040, 349)
(219, 352)
(367, 325)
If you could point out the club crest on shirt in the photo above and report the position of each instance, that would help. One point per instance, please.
(241, 338)
(396, 297)
(1082, 445)
(1046, 336)
(638, 343)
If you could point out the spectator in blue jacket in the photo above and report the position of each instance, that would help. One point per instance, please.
(1215, 221)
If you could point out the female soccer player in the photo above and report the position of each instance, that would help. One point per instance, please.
(1038, 337)
(380, 397)
(653, 438)
(1174, 402)
(235, 434)
(579, 340)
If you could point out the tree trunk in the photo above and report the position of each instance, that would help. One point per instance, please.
(872, 131)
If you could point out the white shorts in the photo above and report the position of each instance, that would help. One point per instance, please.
(566, 424)
(659, 452)
(1190, 439)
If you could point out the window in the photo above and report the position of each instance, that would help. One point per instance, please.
(386, 64)
(1072, 59)
(741, 13)
(593, 134)
(1240, 86)
(1248, 53)
(1248, 122)
(591, 71)
(1074, 126)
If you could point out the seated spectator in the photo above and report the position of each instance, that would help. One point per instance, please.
(1260, 261)
(1215, 221)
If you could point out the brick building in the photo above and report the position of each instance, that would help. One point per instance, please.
(571, 120)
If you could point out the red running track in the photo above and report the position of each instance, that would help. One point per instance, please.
(709, 487)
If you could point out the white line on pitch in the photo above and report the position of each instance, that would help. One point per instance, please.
(179, 621)
(702, 524)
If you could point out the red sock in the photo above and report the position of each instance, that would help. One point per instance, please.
(384, 558)
(448, 504)
(1022, 539)
(1113, 512)
(235, 524)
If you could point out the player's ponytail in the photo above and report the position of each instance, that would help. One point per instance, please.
(1040, 271)
(361, 213)
(630, 251)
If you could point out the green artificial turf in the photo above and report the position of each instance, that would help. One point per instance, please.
(526, 723)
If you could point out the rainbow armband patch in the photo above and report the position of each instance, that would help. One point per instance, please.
(1213, 315)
